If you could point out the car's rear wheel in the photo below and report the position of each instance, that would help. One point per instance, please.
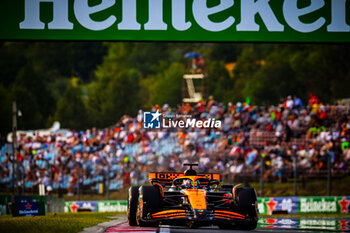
(149, 203)
(133, 198)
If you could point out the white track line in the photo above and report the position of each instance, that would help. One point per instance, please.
(164, 229)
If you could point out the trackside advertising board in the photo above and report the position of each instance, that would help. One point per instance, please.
(265, 205)
(306, 223)
(176, 20)
(95, 206)
(304, 204)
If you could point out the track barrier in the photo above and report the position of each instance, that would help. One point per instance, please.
(268, 205)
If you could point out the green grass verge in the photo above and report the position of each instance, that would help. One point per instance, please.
(53, 223)
(73, 223)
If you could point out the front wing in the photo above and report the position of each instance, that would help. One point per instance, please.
(181, 214)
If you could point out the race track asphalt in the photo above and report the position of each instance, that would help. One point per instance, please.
(289, 225)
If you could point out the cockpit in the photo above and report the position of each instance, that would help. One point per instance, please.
(190, 183)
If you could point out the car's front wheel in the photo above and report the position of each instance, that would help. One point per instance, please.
(246, 204)
(133, 198)
(149, 203)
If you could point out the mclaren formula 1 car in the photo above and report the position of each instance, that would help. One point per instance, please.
(192, 199)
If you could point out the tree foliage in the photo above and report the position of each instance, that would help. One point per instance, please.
(120, 78)
(71, 109)
(5, 110)
(111, 97)
(165, 87)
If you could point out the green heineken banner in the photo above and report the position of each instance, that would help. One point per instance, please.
(294, 205)
(306, 223)
(267, 205)
(177, 20)
(112, 206)
(95, 206)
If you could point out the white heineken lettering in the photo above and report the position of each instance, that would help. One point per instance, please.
(250, 8)
(102, 207)
(310, 205)
(292, 13)
(22, 212)
(201, 14)
(316, 222)
(32, 15)
(83, 11)
(179, 15)
(338, 17)
(155, 18)
(129, 12)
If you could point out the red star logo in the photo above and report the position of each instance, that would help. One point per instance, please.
(343, 225)
(271, 221)
(344, 205)
(28, 206)
(271, 206)
(74, 207)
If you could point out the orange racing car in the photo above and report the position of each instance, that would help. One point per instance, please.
(192, 199)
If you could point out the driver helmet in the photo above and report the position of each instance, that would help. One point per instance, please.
(196, 184)
(187, 183)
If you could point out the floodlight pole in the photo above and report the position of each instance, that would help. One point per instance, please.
(14, 146)
(329, 175)
(108, 182)
(295, 173)
(108, 179)
(78, 191)
(262, 174)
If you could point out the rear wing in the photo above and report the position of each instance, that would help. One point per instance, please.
(168, 177)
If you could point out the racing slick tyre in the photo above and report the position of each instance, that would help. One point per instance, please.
(133, 198)
(149, 203)
(247, 205)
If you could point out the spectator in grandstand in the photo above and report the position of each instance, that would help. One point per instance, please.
(89, 157)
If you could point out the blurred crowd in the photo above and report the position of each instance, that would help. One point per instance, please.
(124, 153)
